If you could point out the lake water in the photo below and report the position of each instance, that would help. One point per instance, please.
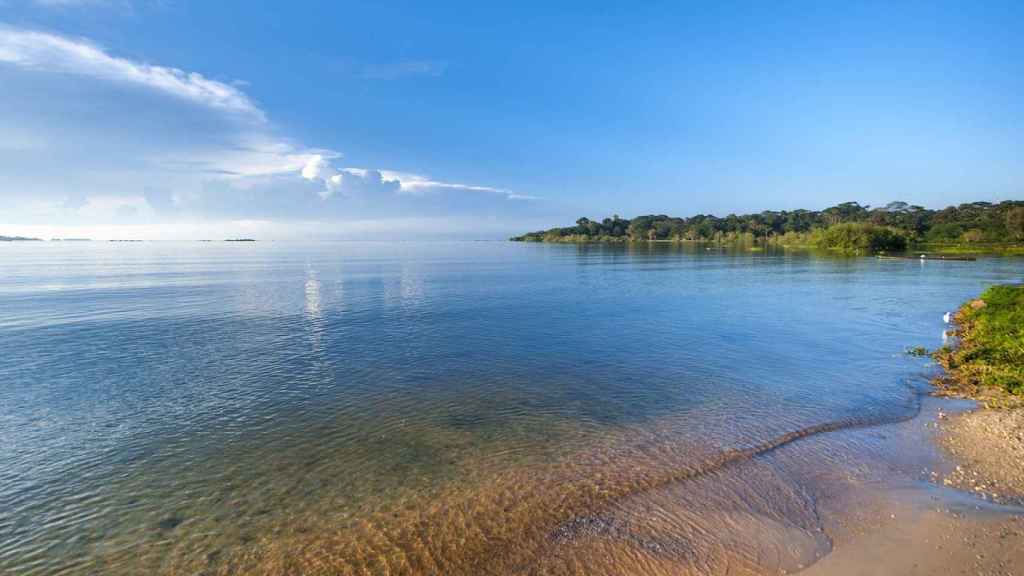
(455, 408)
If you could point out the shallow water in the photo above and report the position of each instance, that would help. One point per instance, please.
(458, 408)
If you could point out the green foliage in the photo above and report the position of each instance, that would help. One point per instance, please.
(1015, 223)
(991, 349)
(945, 232)
(862, 238)
(978, 225)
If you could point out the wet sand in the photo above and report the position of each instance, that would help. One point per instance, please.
(938, 540)
(972, 524)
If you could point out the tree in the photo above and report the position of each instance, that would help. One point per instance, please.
(862, 238)
(972, 235)
(972, 222)
(896, 207)
(945, 232)
(1015, 223)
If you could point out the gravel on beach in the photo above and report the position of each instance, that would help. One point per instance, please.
(989, 447)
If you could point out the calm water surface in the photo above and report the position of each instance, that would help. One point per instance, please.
(457, 408)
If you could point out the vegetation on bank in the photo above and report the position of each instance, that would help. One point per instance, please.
(989, 355)
(847, 227)
(18, 239)
(862, 238)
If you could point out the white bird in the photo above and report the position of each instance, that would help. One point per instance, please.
(947, 317)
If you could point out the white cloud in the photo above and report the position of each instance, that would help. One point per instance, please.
(247, 149)
(416, 183)
(48, 52)
(461, 227)
(318, 169)
(419, 184)
(254, 154)
(226, 159)
(347, 180)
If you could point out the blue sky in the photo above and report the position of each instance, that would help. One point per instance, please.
(174, 119)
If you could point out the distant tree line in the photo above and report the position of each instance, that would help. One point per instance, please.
(847, 226)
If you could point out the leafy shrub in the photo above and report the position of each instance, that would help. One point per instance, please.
(862, 238)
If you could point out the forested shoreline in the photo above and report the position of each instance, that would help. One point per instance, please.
(847, 227)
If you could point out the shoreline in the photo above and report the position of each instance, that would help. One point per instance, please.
(946, 525)
(976, 528)
(941, 524)
(985, 365)
(914, 250)
(848, 228)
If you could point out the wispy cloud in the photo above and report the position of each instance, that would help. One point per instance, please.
(228, 147)
(48, 52)
(69, 3)
(416, 183)
(120, 6)
(319, 169)
(403, 69)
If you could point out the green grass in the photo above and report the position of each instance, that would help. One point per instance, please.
(990, 354)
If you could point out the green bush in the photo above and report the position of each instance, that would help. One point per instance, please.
(862, 238)
(945, 233)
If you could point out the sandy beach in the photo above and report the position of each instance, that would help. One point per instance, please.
(977, 525)
(989, 448)
(970, 522)
(931, 541)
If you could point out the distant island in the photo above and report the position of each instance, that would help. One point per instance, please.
(240, 240)
(19, 239)
(847, 227)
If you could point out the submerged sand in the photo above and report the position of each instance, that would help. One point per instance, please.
(853, 501)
